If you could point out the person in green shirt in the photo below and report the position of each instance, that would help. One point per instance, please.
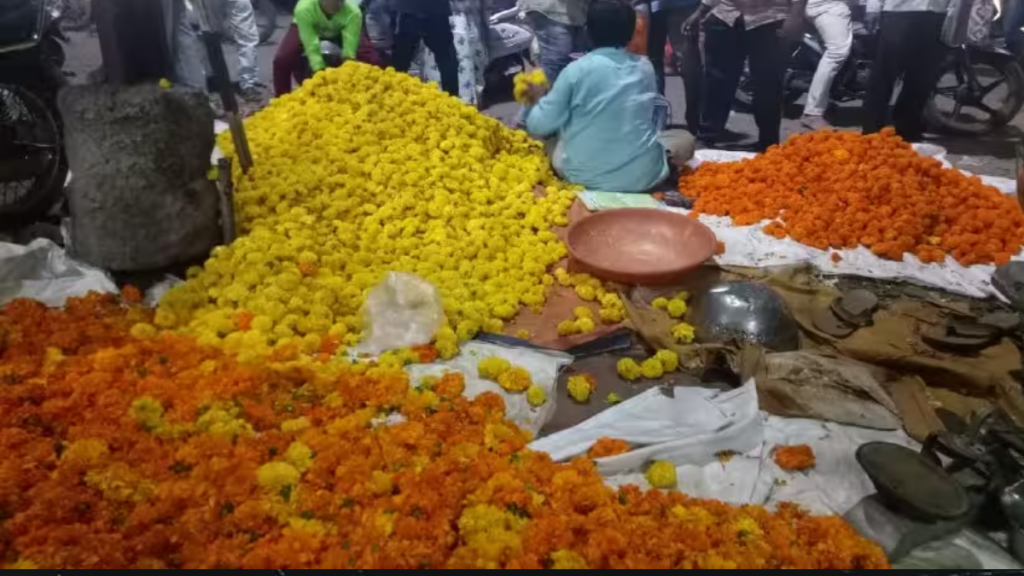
(299, 56)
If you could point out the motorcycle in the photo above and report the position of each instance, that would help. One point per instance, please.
(78, 16)
(980, 90)
(33, 167)
(511, 47)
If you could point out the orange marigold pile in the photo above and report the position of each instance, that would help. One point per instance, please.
(840, 190)
(154, 452)
(799, 457)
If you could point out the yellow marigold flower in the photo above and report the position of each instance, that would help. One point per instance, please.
(747, 527)
(568, 328)
(523, 334)
(467, 330)
(585, 325)
(276, 475)
(492, 367)
(586, 292)
(148, 412)
(536, 396)
(676, 308)
(683, 333)
(662, 475)
(581, 312)
(612, 315)
(669, 360)
(660, 303)
(381, 483)
(165, 84)
(295, 425)
(684, 296)
(568, 560)
(652, 369)
(628, 369)
(613, 399)
(144, 331)
(89, 451)
(447, 350)
(515, 379)
(299, 455)
(580, 387)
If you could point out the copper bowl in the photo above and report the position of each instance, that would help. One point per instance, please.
(640, 245)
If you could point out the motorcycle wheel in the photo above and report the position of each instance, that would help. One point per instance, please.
(266, 19)
(978, 99)
(32, 164)
(76, 15)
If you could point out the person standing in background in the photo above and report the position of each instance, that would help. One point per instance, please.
(1013, 21)
(909, 47)
(833, 21)
(429, 22)
(241, 28)
(559, 27)
(299, 56)
(667, 20)
(737, 30)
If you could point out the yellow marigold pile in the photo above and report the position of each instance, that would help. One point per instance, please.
(364, 171)
(840, 190)
(156, 452)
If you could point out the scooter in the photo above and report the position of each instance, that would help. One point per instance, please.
(980, 90)
(511, 48)
(33, 168)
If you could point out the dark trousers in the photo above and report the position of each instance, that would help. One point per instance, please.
(666, 27)
(434, 30)
(726, 48)
(908, 47)
(290, 61)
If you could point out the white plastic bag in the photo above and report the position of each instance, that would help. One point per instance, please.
(43, 271)
(404, 310)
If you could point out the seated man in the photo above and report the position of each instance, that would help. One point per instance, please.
(299, 56)
(603, 109)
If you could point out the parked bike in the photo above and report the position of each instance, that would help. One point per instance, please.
(32, 163)
(980, 90)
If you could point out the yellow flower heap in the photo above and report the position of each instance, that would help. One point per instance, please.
(364, 171)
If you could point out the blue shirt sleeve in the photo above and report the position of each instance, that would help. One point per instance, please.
(551, 113)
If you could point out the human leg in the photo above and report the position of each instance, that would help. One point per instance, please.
(686, 50)
(408, 34)
(1013, 21)
(832, 20)
(764, 47)
(556, 43)
(927, 52)
(241, 24)
(656, 39)
(680, 146)
(439, 39)
(287, 61)
(885, 70)
(723, 64)
(189, 53)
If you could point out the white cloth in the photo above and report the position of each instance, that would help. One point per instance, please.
(471, 39)
(240, 19)
(833, 22)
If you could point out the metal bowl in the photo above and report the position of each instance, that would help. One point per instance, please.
(640, 245)
(746, 312)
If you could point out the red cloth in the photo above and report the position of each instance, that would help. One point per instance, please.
(290, 61)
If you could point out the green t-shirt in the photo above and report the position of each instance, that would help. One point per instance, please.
(346, 26)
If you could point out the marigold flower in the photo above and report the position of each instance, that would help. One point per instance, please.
(581, 386)
(800, 457)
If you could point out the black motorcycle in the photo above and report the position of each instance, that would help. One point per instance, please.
(32, 163)
(981, 88)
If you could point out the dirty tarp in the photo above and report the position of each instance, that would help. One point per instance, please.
(893, 342)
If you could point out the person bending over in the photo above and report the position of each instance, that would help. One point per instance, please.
(299, 57)
(601, 115)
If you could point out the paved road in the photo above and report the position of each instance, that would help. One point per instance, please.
(992, 155)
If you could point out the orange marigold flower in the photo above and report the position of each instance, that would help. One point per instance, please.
(606, 447)
(799, 457)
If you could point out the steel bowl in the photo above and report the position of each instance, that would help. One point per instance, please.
(640, 245)
(744, 312)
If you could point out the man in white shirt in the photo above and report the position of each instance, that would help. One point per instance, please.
(909, 47)
(832, 20)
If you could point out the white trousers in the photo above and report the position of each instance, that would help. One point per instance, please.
(832, 20)
(240, 24)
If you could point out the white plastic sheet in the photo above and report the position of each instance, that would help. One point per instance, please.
(43, 271)
(749, 246)
(543, 366)
(402, 311)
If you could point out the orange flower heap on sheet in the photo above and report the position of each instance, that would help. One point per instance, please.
(123, 448)
(840, 190)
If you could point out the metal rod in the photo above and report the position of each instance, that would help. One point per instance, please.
(227, 200)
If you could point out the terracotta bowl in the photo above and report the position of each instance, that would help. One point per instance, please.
(639, 245)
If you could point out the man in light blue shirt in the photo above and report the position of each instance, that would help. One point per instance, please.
(604, 110)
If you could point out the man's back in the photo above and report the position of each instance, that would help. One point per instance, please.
(603, 107)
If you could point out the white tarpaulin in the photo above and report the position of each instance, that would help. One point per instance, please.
(43, 271)
(749, 246)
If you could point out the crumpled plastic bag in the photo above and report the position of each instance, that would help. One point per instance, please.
(404, 310)
(43, 271)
